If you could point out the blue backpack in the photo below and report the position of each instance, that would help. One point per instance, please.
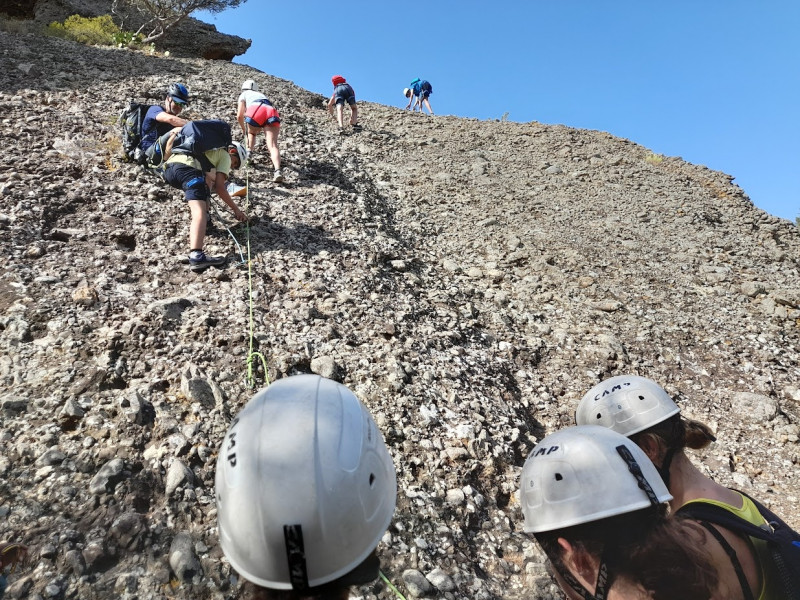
(197, 137)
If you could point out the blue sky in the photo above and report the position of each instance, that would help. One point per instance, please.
(716, 82)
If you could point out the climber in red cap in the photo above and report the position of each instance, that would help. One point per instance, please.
(342, 92)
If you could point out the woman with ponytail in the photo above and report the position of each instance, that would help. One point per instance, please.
(642, 410)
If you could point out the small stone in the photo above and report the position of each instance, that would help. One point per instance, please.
(107, 477)
(182, 559)
(441, 580)
(178, 475)
(416, 583)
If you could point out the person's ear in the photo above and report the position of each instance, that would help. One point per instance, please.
(652, 447)
(579, 562)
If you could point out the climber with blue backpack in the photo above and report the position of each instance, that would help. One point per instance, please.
(198, 158)
(418, 92)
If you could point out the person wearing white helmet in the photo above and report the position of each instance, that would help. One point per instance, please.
(199, 180)
(642, 410)
(255, 114)
(305, 489)
(597, 507)
(418, 93)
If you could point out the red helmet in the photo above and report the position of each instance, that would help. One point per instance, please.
(338, 79)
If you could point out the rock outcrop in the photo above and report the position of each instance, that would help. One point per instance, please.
(190, 38)
(469, 280)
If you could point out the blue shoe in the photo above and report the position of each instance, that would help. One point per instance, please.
(199, 261)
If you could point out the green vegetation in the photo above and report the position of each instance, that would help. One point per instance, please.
(93, 31)
(654, 159)
(99, 31)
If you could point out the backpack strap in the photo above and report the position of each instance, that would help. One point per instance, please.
(737, 566)
(702, 511)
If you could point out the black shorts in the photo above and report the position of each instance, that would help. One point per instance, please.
(190, 180)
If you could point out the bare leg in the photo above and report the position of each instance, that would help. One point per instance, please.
(251, 138)
(339, 117)
(353, 115)
(197, 228)
(428, 104)
(271, 133)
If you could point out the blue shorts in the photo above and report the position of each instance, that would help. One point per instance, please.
(190, 180)
(425, 90)
(344, 93)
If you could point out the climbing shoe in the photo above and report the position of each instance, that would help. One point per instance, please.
(278, 177)
(199, 261)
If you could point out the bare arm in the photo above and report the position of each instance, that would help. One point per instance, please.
(241, 108)
(174, 120)
(222, 192)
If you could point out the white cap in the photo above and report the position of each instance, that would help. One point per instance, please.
(303, 477)
(627, 404)
(581, 474)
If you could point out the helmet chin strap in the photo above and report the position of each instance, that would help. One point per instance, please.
(604, 576)
(604, 580)
(663, 470)
(296, 556)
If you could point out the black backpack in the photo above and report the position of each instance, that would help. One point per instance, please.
(783, 541)
(130, 120)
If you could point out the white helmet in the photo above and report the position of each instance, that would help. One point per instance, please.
(305, 486)
(627, 404)
(406, 92)
(249, 84)
(586, 473)
(241, 151)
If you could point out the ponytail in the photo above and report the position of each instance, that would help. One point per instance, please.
(677, 433)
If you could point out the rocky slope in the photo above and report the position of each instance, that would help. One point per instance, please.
(469, 280)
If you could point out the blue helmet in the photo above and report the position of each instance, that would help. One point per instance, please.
(178, 93)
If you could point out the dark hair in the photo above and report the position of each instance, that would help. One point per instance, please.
(677, 433)
(644, 547)
(251, 591)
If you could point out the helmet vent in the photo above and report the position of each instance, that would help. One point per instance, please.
(641, 397)
(559, 477)
(599, 416)
(371, 479)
